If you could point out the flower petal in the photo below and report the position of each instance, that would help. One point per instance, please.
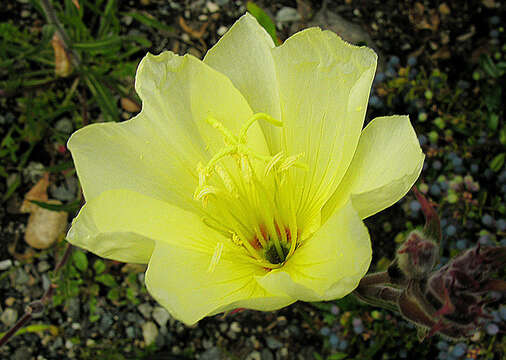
(327, 266)
(180, 92)
(121, 225)
(178, 277)
(324, 85)
(157, 152)
(135, 155)
(243, 54)
(386, 164)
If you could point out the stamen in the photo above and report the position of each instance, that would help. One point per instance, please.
(255, 118)
(216, 257)
(274, 160)
(225, 132)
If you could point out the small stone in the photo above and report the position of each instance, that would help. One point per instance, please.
(73, 308)
(145, 309)
(130, 332)
(223, 327)
(22, 353)
(221, 30)
(25, 13)
(69, 344)
(5, 264)
(286, 14)
(161, 316)
(273, 343)
(9, 316)
(235, 327)
(149, 332)
(43, 266)
(267, 355)
(64, 125)
(212, 7)
(44, 226)
(10, 301)
(213, 353)
(207, 343)
(255, 355)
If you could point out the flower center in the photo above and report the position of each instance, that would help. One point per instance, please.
(248, 197)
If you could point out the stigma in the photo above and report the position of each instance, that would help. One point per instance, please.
(248, 196)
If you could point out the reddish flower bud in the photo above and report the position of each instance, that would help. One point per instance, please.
(432, 228)
(417, 256)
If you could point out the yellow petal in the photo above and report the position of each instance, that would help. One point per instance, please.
(136, 155)
(178, 277)
(121, 225)
(324, 85)
(386, 165)
(243, 54)
(327, 266)
(180, 92)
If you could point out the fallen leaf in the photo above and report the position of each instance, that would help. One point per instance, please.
(444, 9)
(129, 105)
(197, 34)
(62, 64)
(45, 226)
(38, 193)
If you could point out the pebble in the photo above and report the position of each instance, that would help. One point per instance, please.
(267, 355)
(149, 332)
(212, 7)
(9, 317)
(43, 266)
(161, 316)
(10, 301)
(145, 309)
(255, 355)
(221, 30)
(223, 327)
(5, 264)
(212, 354)
(235, 327)
(286, 14)
(273, 343)
(73, 308)
(22, 353)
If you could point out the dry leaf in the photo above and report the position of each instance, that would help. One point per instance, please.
(45, 226)
(38, 193)
(444, 9)
(129, 105)
(62, 64)
(197, 34)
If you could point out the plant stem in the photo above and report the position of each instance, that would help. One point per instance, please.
(38, 305)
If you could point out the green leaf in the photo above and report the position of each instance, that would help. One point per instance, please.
(338, 356)
(80, 260)
(502, 136)
(106, 279)
(103, 96)
(264, 20)
(70, 207)
(149, 21)
(99, 266)
(35, 328)
(113, 294)
(493, 121)
(497, 162)
(100, 46)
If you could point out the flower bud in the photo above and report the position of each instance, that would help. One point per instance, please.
(417, 256)
(432, 228)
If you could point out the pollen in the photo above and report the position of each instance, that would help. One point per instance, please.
(248, 195)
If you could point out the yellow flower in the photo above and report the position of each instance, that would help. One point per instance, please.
(244, 180)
